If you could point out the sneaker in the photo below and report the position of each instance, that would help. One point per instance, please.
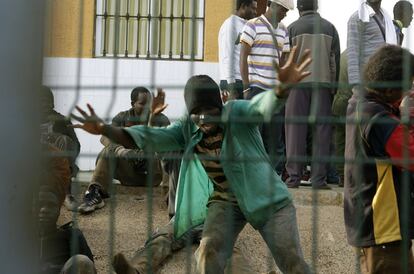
(92, 200)
(70, 202)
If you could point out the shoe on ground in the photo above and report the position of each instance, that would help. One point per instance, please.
(70, 203)
(92, 200)
(122, 266)
(322, 187)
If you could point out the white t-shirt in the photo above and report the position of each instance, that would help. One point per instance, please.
(229, 48)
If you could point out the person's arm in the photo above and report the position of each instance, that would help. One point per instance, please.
(400, 147)
(143, 137)
(244, 67)
(266, 103)
(353, 45)
(246, 40)
(336, 53)
(226, 44)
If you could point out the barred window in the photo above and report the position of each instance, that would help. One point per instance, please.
(150, 29)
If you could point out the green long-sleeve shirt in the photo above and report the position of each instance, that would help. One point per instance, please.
(260, 192)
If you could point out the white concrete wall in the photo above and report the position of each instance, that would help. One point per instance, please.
(106, 84)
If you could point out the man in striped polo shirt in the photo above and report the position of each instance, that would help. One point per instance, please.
(264, 41)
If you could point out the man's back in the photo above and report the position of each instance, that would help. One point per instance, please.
(313, 32)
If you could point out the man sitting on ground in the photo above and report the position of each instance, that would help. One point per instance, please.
(129, 166)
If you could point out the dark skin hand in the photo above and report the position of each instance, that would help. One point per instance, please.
(289, 74)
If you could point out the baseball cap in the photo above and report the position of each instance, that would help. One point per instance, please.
(285, 3)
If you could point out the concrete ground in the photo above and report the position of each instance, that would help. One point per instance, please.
(122, 226)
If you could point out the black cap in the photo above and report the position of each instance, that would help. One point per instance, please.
(202, 91)
(304, 5)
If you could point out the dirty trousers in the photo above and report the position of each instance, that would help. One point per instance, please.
(224, 223)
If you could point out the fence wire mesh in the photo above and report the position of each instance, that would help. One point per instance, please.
(149, 220)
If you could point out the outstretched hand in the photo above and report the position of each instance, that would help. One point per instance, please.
(158, 102)
(291, 72)
(90, 122)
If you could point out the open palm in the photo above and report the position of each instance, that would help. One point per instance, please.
(89, 122)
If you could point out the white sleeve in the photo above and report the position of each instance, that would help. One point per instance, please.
(226, 51)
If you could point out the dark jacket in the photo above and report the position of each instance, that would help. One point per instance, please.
(313, 32)
(375, 188)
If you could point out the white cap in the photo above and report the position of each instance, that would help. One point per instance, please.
(285, 3)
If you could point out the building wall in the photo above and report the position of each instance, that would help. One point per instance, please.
(70, 27)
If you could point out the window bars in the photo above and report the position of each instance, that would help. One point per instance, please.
(150, 29)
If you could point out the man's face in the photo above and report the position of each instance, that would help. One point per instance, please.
(278, 12)
(407, 18)
(250, 11)
(207, 118)
(142, 103)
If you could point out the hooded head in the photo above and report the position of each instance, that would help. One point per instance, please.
(202, 92)
(203, 100)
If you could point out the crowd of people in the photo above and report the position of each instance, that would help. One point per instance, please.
(231, 159)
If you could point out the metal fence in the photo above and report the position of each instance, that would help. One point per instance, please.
(164, 30)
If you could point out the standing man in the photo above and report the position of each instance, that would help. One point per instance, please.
(318, 35)
(264, 42)
(369, 28)
(229, 48)
(216, 171)
(403, 15)
(379, 186)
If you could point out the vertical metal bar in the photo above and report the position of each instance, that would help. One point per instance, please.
(149, 29)
(182, 31)
(105, 16)
(138, 25)
(160, 30)
(21, 21)
(127, 29)
(171, 28)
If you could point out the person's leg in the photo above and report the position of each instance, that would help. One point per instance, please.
(386, 258)
(282, 237)
(79, 264)
(340, 149)
(222, 226)
(322, 135)
(297, 106)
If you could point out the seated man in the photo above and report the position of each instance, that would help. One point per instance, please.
(216, 172)
(129, 166)
(379, 191)
(62, 249)
(55, 130)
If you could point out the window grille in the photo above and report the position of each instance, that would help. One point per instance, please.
(150, 29)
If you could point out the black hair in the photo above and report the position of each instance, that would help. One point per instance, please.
(388, 68)
(400, 8)
(136, 91)
(241, 3)
(306, 5)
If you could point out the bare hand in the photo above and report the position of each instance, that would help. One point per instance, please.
(158, 103)
(291, 72)
(225, 96)
(90, 122)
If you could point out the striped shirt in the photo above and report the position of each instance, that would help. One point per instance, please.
(263, 52)
(209, 148)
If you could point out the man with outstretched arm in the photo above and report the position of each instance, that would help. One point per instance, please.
(222, 152)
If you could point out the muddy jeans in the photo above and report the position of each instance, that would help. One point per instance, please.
(162, 245)
(224, 223)
(386, 259)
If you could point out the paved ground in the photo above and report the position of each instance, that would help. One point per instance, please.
(321, 229)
